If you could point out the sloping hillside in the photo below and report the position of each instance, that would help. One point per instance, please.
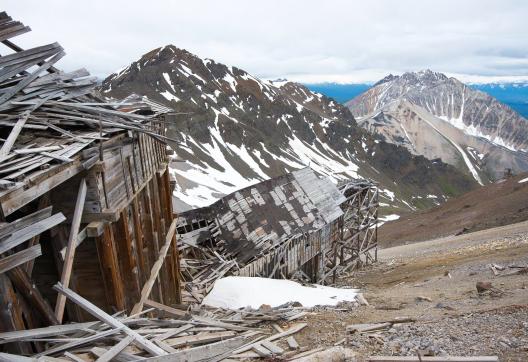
(501, 203)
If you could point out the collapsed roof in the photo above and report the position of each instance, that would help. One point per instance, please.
(47, 117)
(294, 223)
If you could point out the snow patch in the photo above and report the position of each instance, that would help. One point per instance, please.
(239, 292)
(169, 96)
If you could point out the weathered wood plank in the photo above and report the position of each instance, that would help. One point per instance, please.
(115, 350)
(10, 141)
(147, 288)
(165, 308)
(14, 260)
(101, 315)
(70, 249)
(19, 236)
(433, 359)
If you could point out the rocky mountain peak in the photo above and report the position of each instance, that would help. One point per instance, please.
(238, 130)
(440, 117)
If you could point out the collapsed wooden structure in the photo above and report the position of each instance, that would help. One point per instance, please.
(87, 229)
(85, 197)
(295, 226)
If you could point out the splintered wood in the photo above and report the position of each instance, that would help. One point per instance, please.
(202, 334)
(47, 117)
(102, 165)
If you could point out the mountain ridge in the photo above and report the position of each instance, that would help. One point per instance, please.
(488, 136)
(239, 130)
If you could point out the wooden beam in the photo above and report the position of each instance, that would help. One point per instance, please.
(81, 236)
(203, 353)
(147, 288)
(294, 329)
(115, 350)
(11, 316)
(43, 203)
(70, 251)
(19, 236)
(25, 221)
(95, 229)
(29, 290)
(15, 358)
(14, 260)
(165, 308)
(10, 141)
(14, 200)
(109, 266)
(72, 344)
(108, 319)
(127, 259)
(23, 335)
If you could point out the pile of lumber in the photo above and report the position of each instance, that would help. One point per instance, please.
(201, 268)
(197, 335)
(48, 116)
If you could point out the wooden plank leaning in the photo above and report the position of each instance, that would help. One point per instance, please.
(105, 317)
(147, 288)
(14, 260)
(70, 251)
(10, 141)
(26, 233)
(115, 350)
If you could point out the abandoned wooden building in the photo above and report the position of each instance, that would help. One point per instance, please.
(87, 228)
(85, 197)
(295, 226)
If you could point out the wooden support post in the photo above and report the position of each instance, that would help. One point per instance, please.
(127, 258)
(147, 288)
(28, 289)
(110, 268)
(138, 236)
(11, 315)
(44, 202)
(152, 234)
(70, 251)
(108, 319)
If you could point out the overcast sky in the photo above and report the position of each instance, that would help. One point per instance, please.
(304, 40)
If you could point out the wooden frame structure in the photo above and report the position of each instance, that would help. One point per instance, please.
(343, 238)
(85, 197)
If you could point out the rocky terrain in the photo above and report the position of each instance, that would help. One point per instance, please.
(234, 130)
(432, 285)
(441, 118)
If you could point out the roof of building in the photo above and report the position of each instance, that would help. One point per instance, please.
(261, 216)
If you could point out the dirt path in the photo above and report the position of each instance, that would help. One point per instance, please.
(434, 282)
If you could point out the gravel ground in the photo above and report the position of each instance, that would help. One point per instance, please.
(503, 332)
(435, 284)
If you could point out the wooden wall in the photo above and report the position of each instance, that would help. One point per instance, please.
(127, 212)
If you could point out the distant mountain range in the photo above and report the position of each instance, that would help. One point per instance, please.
(515, 95)
(237, 130)
(439, 117)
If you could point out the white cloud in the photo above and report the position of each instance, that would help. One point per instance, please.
(300, 39)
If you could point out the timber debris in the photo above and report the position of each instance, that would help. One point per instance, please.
(295, 226)
(87, 230)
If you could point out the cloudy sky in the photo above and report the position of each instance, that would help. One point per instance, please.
(303, 40)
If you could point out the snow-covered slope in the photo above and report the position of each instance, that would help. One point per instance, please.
(440, 117)
(234, 130)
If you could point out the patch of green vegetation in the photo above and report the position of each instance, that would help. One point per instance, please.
(447, 188)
